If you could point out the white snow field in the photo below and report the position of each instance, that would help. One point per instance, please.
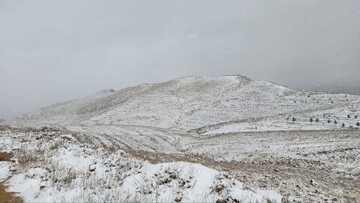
(193, 139)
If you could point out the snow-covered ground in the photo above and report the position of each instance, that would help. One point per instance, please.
(191, 139)
(63, 165)
(54, 167)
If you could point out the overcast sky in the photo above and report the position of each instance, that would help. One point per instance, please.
(52, 51)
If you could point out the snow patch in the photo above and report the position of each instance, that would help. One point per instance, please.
(4, 170)
(181, 181)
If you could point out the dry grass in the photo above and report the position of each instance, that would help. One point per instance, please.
(5, 156)
(25, 158)
(57, 144)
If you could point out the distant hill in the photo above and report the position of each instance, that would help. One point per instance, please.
(201, 104)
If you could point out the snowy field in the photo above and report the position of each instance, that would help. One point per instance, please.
(53, 166)
(193, 139)
(63, 165)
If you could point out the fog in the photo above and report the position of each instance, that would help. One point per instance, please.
(52, 51)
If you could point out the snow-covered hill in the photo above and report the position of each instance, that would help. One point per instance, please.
(205, 105)
(190, 139)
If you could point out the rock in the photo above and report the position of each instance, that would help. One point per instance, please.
(298, 200)
(92, 167)
(218, 188)
(235, 200)
(42, 185)
(178, 199)
(67, 137)
(312, 182)
(173, 176)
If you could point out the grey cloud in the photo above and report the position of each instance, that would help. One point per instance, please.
(51, 51)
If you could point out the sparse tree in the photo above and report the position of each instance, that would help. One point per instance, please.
(357, 124)
(311, 120)
(348, 116)
(335, 122)
(293, 119)
(317, 120)
(329, 121)
(355, 116)
(343, 125)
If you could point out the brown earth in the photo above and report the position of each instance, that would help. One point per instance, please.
(7, 196)
(5, 156)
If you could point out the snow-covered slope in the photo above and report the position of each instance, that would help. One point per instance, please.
(204, 104)
(188, 127)
(55, 167)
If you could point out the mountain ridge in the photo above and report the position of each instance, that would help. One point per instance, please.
(187, 103)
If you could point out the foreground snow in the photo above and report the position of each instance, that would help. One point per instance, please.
(52, 167)
(167, 182)
(4, 170)
(189, 182)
